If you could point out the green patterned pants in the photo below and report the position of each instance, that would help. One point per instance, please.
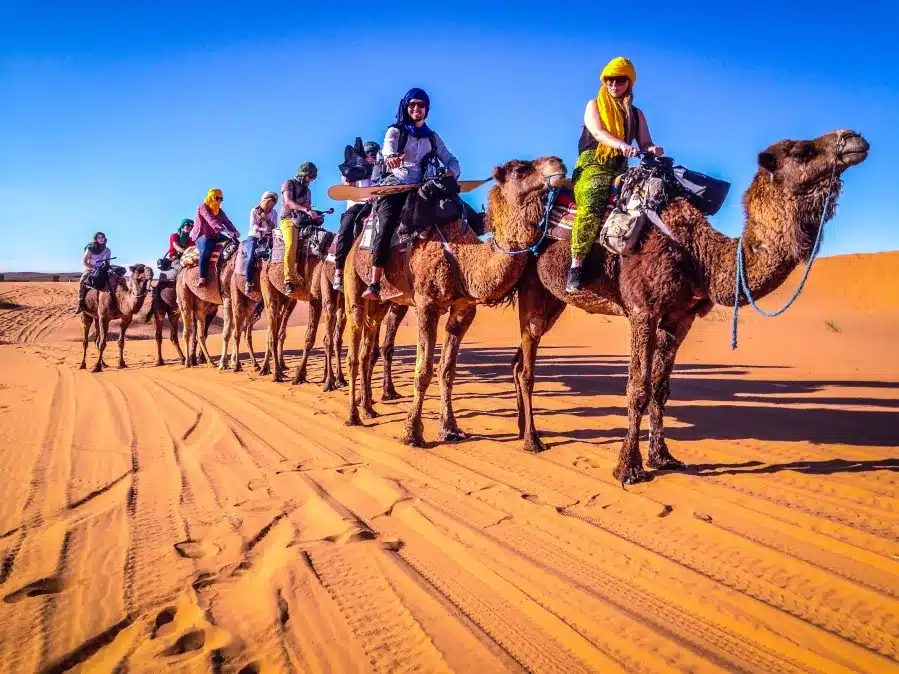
(591, 180)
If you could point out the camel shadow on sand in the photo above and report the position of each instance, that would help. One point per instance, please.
(708, 402)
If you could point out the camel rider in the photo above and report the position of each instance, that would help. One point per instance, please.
(212, 226)
(263, 221)
(296, 212)
(611, 124)
(409, 150)
(95, 254)
(355, 211)
(180, 240)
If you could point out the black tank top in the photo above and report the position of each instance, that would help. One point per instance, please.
(588, 142)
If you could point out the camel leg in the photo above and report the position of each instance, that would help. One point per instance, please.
(86, 323)
(329, 318)
(102, 330)
(424, 371)
(286, 312)
(460, 319)
(538, 311)
(373, 319)
(227, 330)
(204, 333)
(339, 327)
(123, 326)
(240, 319)
(157, 320)
(639, 387)
(669, 337)
(392, 325)
(253, 361)
(355, 320)
(315, 311)
(173, 333)
(272, 334)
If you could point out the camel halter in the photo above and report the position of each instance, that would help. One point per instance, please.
(551, 194)
(741, 283)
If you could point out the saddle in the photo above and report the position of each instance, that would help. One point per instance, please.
(221, 253)
(263, 251)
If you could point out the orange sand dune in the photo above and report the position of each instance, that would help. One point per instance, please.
(164, 518)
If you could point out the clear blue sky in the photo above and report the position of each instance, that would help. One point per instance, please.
(119, 117)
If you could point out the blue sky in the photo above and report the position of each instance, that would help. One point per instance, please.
(119, 118)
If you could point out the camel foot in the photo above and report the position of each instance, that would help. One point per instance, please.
(236, 367)
(390, 394)
(97, 368)
(160, 362)
(265, 371)
(452, 434)
(413, 436)
(354, 419)
(342, 382)
(278, 377)
(299, 378)
(630, 474)
(329, 385)
(369, 413)
(123, 366)
(534, 444)
(665, 462)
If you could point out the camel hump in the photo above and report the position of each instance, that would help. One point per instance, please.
(210, 292)
(394, 273)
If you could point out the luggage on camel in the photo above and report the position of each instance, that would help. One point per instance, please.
(636, 199)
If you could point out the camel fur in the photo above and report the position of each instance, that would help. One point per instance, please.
(435, 284)
(667, 283)
(100, 310)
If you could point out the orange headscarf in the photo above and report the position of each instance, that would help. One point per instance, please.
(615, 113)
(214, 205)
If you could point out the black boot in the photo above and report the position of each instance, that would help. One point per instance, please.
(575, 280)
(373, 292)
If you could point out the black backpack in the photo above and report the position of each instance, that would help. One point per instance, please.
(380, 170)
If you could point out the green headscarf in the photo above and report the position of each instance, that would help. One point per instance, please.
(184, 237)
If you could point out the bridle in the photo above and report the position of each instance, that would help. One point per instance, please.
(551, 194)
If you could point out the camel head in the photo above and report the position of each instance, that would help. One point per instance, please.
(141, 279)
(521, 188)
(788, 198)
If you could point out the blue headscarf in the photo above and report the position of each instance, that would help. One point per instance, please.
(402, 114)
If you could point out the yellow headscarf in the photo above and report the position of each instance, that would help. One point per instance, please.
(214, 205)
(614, 113)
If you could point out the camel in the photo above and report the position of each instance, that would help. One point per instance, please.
(435, 281)
(667, 283)
(100, 309)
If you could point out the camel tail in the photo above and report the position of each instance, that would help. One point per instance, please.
(257, 312)
(507, 300)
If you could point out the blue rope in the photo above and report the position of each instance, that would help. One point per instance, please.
(742, 284)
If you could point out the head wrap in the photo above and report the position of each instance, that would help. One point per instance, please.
(616, 114)
(371, 148)
(307, 168)
(266, 196)
(214, 205)
(402, 113)
(184, 237)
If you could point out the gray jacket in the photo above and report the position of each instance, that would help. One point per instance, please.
(415, 151)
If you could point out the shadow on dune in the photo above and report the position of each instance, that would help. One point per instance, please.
(715, 402)
(828, 467)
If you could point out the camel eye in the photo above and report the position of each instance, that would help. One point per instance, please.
(524, 170)
(802, 152)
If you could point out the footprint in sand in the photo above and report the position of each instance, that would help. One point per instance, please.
(164, 618)
(35, 589)
(197, 549)
(192, 641)
(585, 463)
(251, 668)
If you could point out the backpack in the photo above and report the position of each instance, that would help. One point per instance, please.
(354, 167)
(380, 171)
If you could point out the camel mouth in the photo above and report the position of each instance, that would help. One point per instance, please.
(853, 157)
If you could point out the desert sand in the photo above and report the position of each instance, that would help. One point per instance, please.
(164, 519)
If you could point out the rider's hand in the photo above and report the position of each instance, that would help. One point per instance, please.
(450, 173)
(627, 149)
(315, 216)
(394, 162)
(657, 150)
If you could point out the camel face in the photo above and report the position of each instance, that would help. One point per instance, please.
(143, 277)
(520, 179)
(800, 166)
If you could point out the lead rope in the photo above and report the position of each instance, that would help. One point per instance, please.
(552, 193)
(742, 285)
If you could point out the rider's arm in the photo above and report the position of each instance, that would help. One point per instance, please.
(449, 160)
(594, 125)
(391, 140)
(175, 241)
(228, 224)
(290, 204)
(87, 259)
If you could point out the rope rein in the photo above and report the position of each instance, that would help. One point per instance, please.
(551, 194)
(742, 285)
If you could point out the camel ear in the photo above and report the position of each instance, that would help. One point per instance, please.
(768, 161)
(132, 268)
(499, 174)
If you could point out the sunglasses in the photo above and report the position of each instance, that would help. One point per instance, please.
(218, 198)
(416, 104)
(620, 80)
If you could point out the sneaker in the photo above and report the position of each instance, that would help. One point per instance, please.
(373, 292)
(248, 287)
(288, 288)
(338, 280)
(201, 281)
(575, 280)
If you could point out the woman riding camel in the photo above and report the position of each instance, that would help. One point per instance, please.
(611, 124)
(180, 240)
(95, 254)
(212, 226)
(263, 221)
